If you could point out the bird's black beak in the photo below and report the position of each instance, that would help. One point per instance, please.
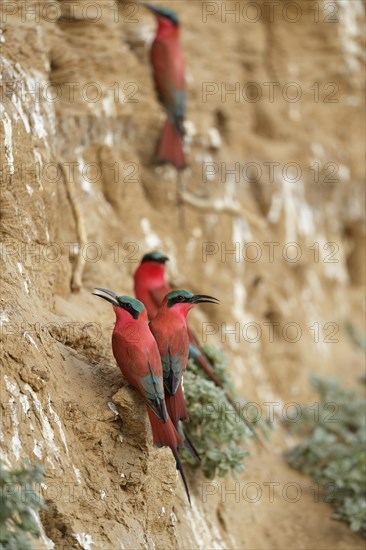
(113, 295)
(203, 299)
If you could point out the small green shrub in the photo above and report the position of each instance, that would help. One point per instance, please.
(215, 428)
(355, 335)
(333, 450)
(19, 503)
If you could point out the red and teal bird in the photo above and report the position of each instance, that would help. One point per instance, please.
(151, 286)
(170, 331)
(137, 355)
(169, 75)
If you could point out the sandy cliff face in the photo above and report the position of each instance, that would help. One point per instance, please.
(277, 161)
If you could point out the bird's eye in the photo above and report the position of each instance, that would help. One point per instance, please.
(180, 298)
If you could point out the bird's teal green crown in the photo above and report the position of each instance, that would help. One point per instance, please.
(155, 256)
(133, 306)
(163, 12)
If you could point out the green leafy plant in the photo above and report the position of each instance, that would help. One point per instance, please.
(355, 335)
(215, 428)
(19, 505)
(333, 450)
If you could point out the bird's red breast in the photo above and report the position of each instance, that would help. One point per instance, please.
(169, 328)
(134, 347)
(150, 286)
(167, 61)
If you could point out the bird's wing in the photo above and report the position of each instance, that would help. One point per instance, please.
(168, 66)
(175, 361)
(141, 366)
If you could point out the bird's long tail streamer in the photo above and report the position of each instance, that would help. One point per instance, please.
(180, 201)
(164, 434)
(176, 405)
(180, 469)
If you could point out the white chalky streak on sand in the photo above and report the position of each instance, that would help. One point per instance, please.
(26, 282)
(275, 209)
(77, 474)
(3, 319)
(15, 440)
(59, 425)
(49, 544)
(109, 107)
(38, 124)
(27, 335)
(37, 449)
(38, 161)
(85, 183)
(108, 140)
(29, 189)
(215, 140)
(16, 101)
(8, 140)
(328, 251)
(3, 456)
(15, 72)
(290, 209)
(297, 213)
(146, 33)
(152, 240)
(24, 403)
(47, 431)
(190, 130)
(36, 82)
(350, 17)
(240, 294)
(31, 91)
(16, 445)
(12, 387)
(84, 540)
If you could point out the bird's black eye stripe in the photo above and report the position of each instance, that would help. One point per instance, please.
(125, 305)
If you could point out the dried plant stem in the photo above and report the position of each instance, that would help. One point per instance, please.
(77, 273)
(180, 201)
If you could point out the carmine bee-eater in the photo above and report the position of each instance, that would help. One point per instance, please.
(137, 355)
(168, 70)
(170, 331)
(151, 286)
